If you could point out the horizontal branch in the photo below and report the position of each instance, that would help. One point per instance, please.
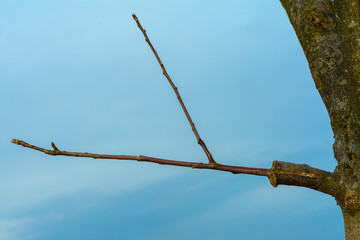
(281, 173)
(141, 158)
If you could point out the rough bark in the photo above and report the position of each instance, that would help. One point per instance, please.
(352, 227)
(302, 175)
(329, 33)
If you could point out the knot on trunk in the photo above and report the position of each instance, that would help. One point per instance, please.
(352, 199)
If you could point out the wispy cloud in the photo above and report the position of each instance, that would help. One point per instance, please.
(31, 188)
(264, 199)
(16, 229)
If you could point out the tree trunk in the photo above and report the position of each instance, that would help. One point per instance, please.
(329, 33)
(352, 226)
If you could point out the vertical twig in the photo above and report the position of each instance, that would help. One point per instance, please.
(199, 140)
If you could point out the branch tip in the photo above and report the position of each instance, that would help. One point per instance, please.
(15, 141)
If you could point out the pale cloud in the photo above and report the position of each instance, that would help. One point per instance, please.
(265, 199)
(260, 152)
(26, 188)
(16, 229)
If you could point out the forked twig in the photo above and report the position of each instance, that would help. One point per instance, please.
(199, 140)
(211, 165)
(281, 173)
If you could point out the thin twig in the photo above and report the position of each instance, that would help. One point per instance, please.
(199, 140)
(199, 165)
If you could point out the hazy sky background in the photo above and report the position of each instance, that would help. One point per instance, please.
(79, 73)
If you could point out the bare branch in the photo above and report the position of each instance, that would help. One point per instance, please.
(141, 158)
(199, 140)
(281, 173)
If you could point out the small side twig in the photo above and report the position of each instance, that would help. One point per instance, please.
(141, 158)
(54, 147)
(199, 140)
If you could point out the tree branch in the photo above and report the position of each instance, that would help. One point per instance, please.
(281, 173)
(141, 158)
(302, 175)
(199, 140)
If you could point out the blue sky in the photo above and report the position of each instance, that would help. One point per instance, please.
(79, 73)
